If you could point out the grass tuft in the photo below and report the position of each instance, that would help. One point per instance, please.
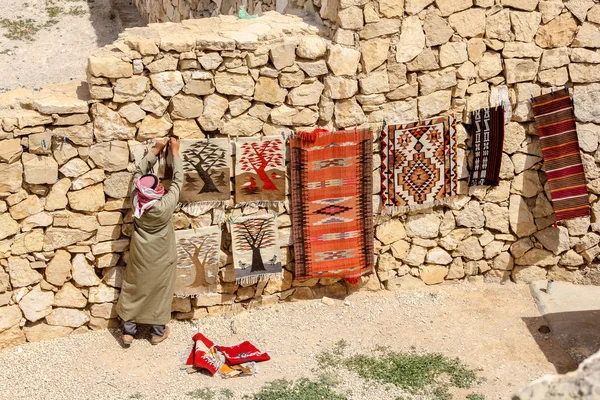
(19, 28)
(430, 373)
(475, 396)
(302, 389)
(137, 395)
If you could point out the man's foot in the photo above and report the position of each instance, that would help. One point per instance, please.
(157, 339)
(127, 340)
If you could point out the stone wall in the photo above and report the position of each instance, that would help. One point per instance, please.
(66, 159)
(179, 10)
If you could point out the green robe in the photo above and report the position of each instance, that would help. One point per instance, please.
(148, 287)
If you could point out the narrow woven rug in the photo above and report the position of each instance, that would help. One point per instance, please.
(198, 253)
(418, 164)
(206, 166)
(487, 132)
(256, 253)
(332, 183)
(260, 171)
(562, 162)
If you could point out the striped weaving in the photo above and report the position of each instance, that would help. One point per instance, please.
(558, 137)
(487, 131)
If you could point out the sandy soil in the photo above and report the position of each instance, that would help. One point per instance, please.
(489, 327)
(59, 50)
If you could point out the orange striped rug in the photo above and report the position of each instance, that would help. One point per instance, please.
(558, 138)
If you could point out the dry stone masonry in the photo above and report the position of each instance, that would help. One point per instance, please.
(67, 151)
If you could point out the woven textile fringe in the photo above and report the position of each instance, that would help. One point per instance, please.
(202, 207)
(260, 204)
(254, 279)
(555, 122)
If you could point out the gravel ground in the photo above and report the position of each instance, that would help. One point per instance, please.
(59, 50)
(482, 325)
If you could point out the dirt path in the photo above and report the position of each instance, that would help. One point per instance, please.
(488, 327)
(63, 34)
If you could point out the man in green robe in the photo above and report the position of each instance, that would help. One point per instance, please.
(148, 287)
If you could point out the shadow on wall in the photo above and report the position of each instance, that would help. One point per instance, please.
(567, 338)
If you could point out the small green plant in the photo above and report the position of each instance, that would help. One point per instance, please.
(302, 389)
(53, 11)
(475, 396)
(226, 394)
(5, 51)
(137, 395)
(19, 29)
(202, 394)
(429, 373)
(77, 11)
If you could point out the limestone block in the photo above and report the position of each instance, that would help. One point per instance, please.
(382, 28)
(28, 242)
(182, 106)
(59, 104)
(554, 77)
(468, 23)
(90, 198)
(585, 100)
(89, 178)
(520, 217)
(433, 274)
(351, 18)
(471, 216)
(374, 53)
(438, 256)
(116, 246)
(555, 58)
(83, 272)
(404, 110)
(103, 294)
(74, 168)
(117, 185)
(390, 232)
(36, 304)
(57, 238)
(130, 89)
(21, 274)
(268, 91)
(11, 150)
(81, 135)
(215, 106)
(154, 103)
(68, 317)
(525, 24)
(453, 53)
(58, 270)
(9, 317)
(108, 66)
(343, 60)
(111, 156)
(557, 33)
(167, 83)
(521, 50)
(520, 70)
(41, 219)
(588, 35)
(282, 55)
(210, 61)
(434, 103)
(109, 125)
(40, 143)
(73, 119)
(584, 73)
(585, 55)
(311, 47)
(490, 65)
(39, 170)
(338, 87)
(288, 116)
(244, 125)
(31, 205)
(41, 332)
(348, 113)
(497, 26)
(438, 80)
(106, 310)
(412, 39)
(11, 177)
(234, 84)
(8, 226)
(307, 94)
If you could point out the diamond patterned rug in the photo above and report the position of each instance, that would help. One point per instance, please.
(418, 164)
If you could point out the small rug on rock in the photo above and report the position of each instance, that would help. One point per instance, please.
(259, 171)
(556, 128)
(487, 133)
(332, 185)
(256, 253)
(198, 253)
(418, 164)
(224, 361)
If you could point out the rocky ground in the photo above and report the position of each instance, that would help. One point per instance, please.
(49, 40)
(460, 320)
